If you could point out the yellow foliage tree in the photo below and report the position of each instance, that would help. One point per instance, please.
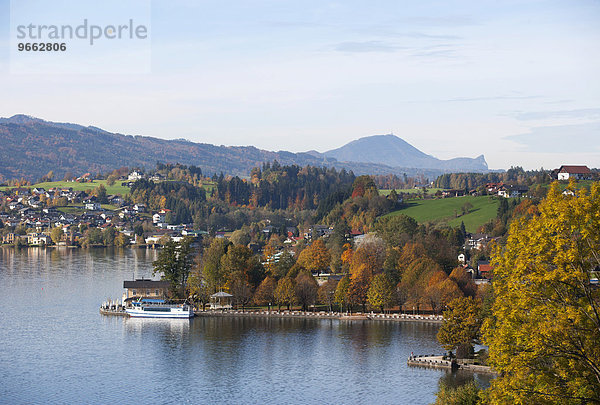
(544, 335)
(315, 258)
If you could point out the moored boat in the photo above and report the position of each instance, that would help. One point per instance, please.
(158, 308)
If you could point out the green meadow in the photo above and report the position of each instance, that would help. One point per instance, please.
(448, 211)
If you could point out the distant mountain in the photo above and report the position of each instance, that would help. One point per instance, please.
(30, 147)
(396, 152)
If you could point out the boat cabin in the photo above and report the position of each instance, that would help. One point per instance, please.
(145, 288)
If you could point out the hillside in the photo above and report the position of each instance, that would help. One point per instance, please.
(393, 151)
(445, 210)
(30, 147)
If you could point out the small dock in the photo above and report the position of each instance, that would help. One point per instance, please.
(113, 312)
(433, 361)
(113, 308)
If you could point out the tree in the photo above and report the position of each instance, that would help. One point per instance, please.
(544, 333)
(381, 292)
(241, 258)
(241, 289)
(467, 207)
(285, 263)
(265, 293)
(327, 293)
(396, 230)
(359, 286)
(315, 258)
(441, 290)
(462, 322)
(466, 394)
(48, 177)
(464, 281)
(108, 236)
(240, 237)
(306, 289)
(369, 256)
(284, 293)
(341, 293)
(56, 234)
(174, 263)
(121, 240)
(100, 193)
(212, 271)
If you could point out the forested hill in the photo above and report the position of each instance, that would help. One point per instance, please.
(30, 147)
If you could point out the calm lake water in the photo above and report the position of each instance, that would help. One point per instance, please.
(56, 348)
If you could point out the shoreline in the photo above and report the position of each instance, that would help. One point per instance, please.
(341, 316)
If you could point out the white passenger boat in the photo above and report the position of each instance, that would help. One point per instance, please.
(156, 308)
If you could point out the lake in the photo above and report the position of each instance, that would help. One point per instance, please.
(57, 348)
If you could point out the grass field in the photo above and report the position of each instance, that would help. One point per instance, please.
(116, 188)
(444, 211)
(430, 191)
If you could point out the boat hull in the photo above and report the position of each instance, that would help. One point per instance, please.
(140, 313)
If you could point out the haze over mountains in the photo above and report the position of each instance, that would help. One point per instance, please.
(30, 147)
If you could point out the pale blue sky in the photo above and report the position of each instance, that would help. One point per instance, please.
(514, 80)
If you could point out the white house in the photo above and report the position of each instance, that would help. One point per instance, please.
(577, 172)
(133, 176)
(92, 206)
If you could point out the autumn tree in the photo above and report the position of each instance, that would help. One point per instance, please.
(241, 258)
(359, 286)
(284, 293)
(441, 290)
(544, 333)
(56, 234)
(462, 323)
(326, 293)
(341, 293)
(265, 293)
(464, 281)
(414, 282)
(381, 292)
(306, 290)
(315, 258)
(240, 288)
(370, 251)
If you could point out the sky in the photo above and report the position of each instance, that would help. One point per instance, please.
(516, 81)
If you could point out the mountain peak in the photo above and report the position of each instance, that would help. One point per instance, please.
(394, 151)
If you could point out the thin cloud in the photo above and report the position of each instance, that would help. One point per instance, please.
(366, 46)
(560, 138)
(491, 98)
(586, 113)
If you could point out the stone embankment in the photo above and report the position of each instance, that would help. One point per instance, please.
(327, 315)
(434, 361)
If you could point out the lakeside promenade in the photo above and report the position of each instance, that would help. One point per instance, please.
(110, 308)
(358, 316)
